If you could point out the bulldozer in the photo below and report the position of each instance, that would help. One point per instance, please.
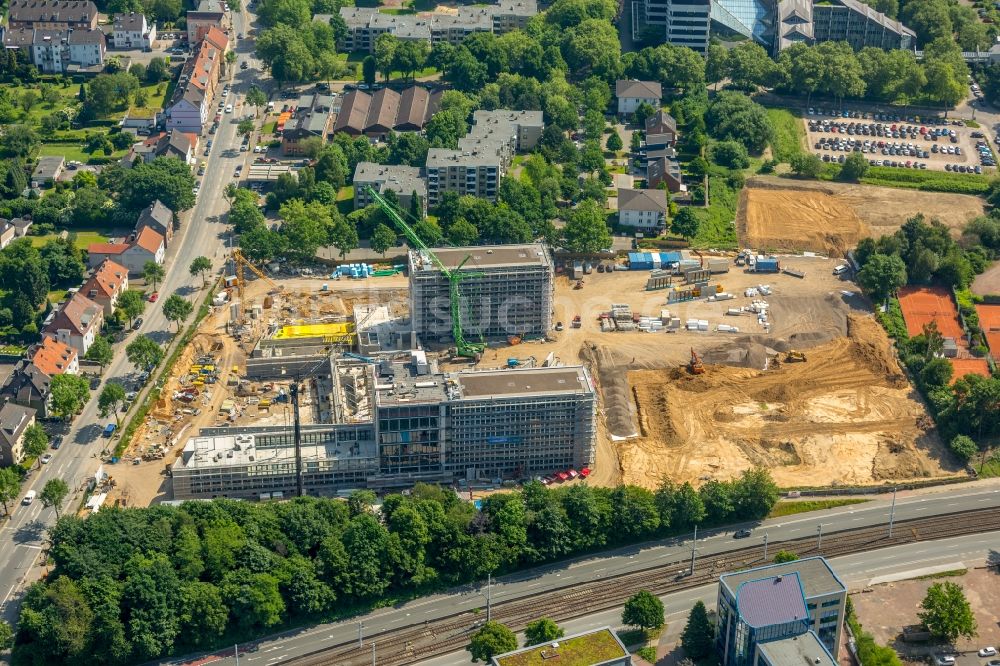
(795, 357)
(695, 366)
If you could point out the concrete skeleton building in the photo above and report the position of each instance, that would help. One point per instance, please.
(391, 424)
(511, 295)
(775, 24)
(365, 24)
(781, 613)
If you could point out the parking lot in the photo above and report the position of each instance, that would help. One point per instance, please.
(905, 142)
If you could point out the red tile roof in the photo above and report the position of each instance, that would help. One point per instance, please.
(53, 357)
(149, 239)
(106, 248)
(107, 280)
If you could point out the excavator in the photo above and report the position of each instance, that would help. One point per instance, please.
(695, 365)
(795, 357)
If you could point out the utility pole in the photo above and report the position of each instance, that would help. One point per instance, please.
(819, 541)
(489, 596)
(694, 550)
(373, 653)
(361, 643)
(892, 512)
(236, 650)
(765, 546)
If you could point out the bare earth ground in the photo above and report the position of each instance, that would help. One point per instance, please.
(987, 282)
(846, 416)
(889, 607)
(784, 214)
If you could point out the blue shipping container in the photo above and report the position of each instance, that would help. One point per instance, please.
(670, 257)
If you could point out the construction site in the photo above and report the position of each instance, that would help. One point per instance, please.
(689, 366)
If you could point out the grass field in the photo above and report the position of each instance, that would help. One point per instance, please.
(717, 228)
(67, 97)
(929, 181)
(791, 508)
(80, 238)
(788, 134)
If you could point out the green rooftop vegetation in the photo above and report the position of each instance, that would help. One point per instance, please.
(593, 648)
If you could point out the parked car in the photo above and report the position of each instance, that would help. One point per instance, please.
(154, 296)
(57, 442)
(45, 459)
(945, 660)
(988, 652)
(137, 323)
(742, 534)
(109, 429)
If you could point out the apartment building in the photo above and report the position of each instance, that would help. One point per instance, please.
(403, 180)
(313, 118)
(55, 358)
(484, 155)
(643, 210)
(633, 94)
(14, 420)
(790, 607)
(132, 31)
(108, 282)
(190, 107)
(52, 14)
(364, 24)
(512, 295)
(200, 21)
(394, 423)
(59, 51)
(375, 115)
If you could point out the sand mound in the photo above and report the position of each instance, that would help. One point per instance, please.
(846, 416)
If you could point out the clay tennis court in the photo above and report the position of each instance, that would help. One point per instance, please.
(968, 366)
(989, 321)
(922, 305)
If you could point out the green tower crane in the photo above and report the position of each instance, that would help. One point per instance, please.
(454, 275)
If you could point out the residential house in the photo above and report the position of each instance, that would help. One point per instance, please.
(375, 115)
(7, 233)
(314, 118)
(76, 323)
(208, 15)
(148, 245)
(27, 386)
(55, 358)
(108, 282)
(59, 51)
(645, 210)
(132, 31)
(98, 253)
(14, 420)
(664, 170)
(173, 143)
(47, 170)
(159, 218)
(52, 14)
(631, 94)
(403, 180)
(662, 124)
(21, 225)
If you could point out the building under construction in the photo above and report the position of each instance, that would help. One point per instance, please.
(392, 423)
(506, 290)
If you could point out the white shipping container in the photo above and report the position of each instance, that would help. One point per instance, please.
(734, 311)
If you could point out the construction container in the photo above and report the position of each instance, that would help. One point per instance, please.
(674, 324)
(717, 265)
(687, 264)
(724, 296)
(734, 312)
(726, 328)
(640, 261)
(702, 324)
(577, 271)
(764, 264)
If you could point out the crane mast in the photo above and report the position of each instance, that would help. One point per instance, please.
(454, 276)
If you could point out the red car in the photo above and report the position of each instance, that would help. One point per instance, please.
(152, 297)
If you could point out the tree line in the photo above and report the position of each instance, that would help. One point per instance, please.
(137, 584)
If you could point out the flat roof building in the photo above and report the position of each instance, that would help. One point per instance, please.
(403, 180)
(593, 648)
(510, 295)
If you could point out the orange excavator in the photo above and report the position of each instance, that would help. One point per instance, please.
(695, 366)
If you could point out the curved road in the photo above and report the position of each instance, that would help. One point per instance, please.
(908, 505)
(200, 233)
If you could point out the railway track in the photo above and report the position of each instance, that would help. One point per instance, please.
(409, 645)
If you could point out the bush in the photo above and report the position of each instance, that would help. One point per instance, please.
(893, 323)
(963, 447)
(648, 653)
(731, 154)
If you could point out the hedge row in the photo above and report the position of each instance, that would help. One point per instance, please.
(929, 181)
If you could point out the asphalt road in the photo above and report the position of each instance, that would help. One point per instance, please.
(908, 505)
(201, 233)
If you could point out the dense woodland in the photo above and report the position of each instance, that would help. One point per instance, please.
(137, 584)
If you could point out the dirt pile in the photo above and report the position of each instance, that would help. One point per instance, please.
(845, 416)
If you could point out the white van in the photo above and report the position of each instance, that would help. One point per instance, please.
(841, 269)
(29, 497)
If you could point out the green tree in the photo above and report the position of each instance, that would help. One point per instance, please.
(256, 98)
(6, 636)
(157, 70)
(112, 397)
(855, 167)
(344, 236)
(644, 610)
(132, 304)
(492, 639)
(614, 142)
(731, 154)
(783, 556)
(636, 141)
(168, 179)
(542, 630)
(19, 141)
(54, 493)
(734, 116)
(153, 272)
(685, 223)
(245, 127)
(10, 487)
(806, 165)
(383, 238)
(749, 66)
(462, 232)
(144, 353)
(176, 309)
(698, 638)
(587, 229)
(369, 69)
(100, 352)
(200, 265)
(202, 612)
(961, 445)
(936, 372)
(69, 393)
(882, 275)
(946, 612)
(36, 441)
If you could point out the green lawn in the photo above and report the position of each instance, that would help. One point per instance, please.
(791, 508)
(154, 100)
(931, 181)
(789, 135)
(991, 468)
(74, 152)
(67, 97)
(717, 228)
(268, 128)
(80, 238)
(57, 295)
(345, 199)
